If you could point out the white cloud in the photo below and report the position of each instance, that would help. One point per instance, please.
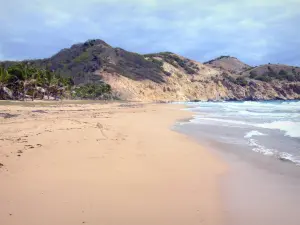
(18, 40)
(57, 18)
(209, 28)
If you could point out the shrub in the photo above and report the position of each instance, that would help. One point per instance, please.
(92, 91)
(189, 70)
(282, 73)
(271, 73)
(159, 63)
(241, 81)
(167, 73)
(253, 74)
(179, 75)
(291, 77)
(81, 58)
(263, 78)
(229, 78)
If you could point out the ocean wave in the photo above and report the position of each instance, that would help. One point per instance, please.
(253, 133)
(259, 118)
(255, 107)
(260, 148)
(274, 153)
(271, 115)
(290, 128)
(226, 122)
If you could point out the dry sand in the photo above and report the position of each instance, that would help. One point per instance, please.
(110, 164)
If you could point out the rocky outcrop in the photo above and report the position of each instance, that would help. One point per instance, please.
(206, 84)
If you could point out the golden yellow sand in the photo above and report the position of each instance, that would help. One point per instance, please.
(104, 164)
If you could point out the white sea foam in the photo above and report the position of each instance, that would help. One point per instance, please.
(253, 133)
(260, 148)
(226, 122)
(272, 152)
(290, 128)
(258, 119)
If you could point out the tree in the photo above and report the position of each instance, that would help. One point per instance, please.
(282, 73)
(263, 78)
(241, 81)
(25, 76)
(253, 74)
(93, 91)
(51, 84)
(5, 79)
(22, 79)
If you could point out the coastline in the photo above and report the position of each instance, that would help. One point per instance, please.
(105, 163)
(256, 189)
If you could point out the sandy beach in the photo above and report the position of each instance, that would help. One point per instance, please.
(112, 164)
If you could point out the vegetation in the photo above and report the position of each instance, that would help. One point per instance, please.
(263, 78)
(174, 60)
(218, 58)
(81, 58)
(239, 81)
(93, 91)
(271, 74)
(253, 74)
(22, 81)
(156, 61)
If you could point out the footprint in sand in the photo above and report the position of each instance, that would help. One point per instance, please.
(101, 127)
(29, 146)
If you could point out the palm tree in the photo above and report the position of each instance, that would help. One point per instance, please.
(5, 79)
(25, 75)
(24, 79)
(65, 85)
(50, 83)
(38, 80)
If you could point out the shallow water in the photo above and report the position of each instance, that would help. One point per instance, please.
(270, 128)
(260, 142)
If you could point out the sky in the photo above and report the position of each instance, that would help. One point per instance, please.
(255, 31)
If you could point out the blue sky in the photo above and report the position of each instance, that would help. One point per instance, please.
(255, 31)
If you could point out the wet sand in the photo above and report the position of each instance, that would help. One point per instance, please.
(256, 189)
(114, 164)
(256, 195)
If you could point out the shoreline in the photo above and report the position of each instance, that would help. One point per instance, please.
(110, 163)
(256, 189)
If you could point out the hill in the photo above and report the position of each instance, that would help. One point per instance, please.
(271, 72)
(82, 60)
(167, 76)
(229, 64)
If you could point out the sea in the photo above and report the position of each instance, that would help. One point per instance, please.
(260, 143)
(268, 128)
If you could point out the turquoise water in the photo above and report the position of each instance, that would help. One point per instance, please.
(270, 128)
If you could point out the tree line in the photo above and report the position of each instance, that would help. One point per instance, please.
(23, 81)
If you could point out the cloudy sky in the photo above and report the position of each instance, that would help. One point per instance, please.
(256, 31)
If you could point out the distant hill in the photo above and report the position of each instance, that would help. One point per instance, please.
(167, 76)
(229, 64)
(271, 72)
(82, 60)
